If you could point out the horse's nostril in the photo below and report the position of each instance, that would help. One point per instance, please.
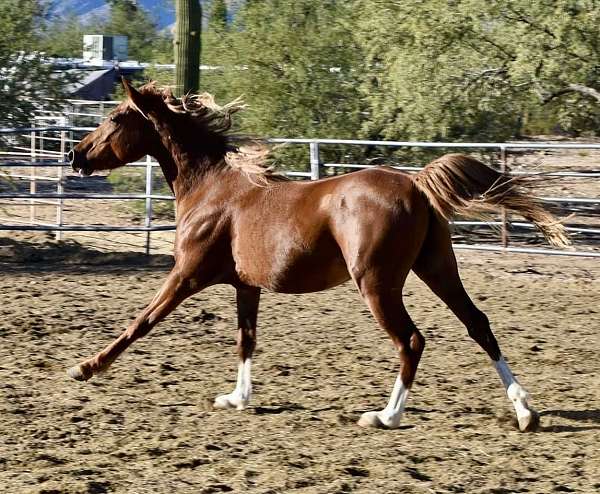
(71, 156)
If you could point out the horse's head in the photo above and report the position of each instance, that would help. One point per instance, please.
(125, 136)
(152, 121)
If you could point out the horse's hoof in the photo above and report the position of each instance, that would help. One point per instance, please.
(529, 422)
(371, 419)
(222, 402)
(227, 401)
(78, 373)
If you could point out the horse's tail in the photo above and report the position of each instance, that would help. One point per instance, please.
(459, 184)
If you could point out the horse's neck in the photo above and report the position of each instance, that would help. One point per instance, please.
(168, 167)
(183, 170)
(185, 177)
(177, 171)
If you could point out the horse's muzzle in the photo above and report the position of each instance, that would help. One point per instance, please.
(79, 163)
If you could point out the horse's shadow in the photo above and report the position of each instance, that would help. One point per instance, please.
(590, 417)
(277, 409)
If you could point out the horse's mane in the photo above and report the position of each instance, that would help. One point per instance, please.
(242, 152)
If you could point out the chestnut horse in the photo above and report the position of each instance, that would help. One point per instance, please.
(240, 224)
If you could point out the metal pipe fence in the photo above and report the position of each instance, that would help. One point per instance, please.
(61, 138)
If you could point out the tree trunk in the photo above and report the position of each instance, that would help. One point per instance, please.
(188, 28)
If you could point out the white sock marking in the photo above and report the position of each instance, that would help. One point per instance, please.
(390, 416)
(244, 380)
(392, 412)
(242, 393)
(515, 392)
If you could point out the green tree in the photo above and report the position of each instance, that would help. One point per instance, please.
(553, 55)
(64, 37)
(218, 15)
(145, 43)
(429, 77)
(472, 69)
(295, 63)
(25, 77)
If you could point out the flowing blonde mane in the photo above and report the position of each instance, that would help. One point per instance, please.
(243, 153)
(204, 109)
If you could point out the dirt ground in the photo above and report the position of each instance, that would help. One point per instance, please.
(147, 426)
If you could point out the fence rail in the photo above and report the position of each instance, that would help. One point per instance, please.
(63, 138)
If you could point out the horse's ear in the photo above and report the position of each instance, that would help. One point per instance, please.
(137, 100)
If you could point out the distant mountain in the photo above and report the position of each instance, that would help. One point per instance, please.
(163, 11)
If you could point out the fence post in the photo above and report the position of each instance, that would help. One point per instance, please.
(60, 183)
(148, 222)
(32, 179)
(503, 214)
(69, 123)
(315, 165)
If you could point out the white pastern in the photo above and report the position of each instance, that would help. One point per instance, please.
(240, 397)
(389, 417)
(516, 394)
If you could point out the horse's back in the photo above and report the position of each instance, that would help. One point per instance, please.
(382, 189)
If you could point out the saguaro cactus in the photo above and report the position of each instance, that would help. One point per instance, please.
(188, 28)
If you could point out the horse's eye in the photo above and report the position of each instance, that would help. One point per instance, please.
(115, 118)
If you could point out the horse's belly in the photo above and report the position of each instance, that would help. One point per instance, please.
(286, 272)
(306, 277)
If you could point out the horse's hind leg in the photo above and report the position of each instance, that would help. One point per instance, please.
(436, 266)
(384, 299)
(247, 307)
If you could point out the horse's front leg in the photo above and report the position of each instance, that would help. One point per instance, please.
(176, 288)
(247, 308)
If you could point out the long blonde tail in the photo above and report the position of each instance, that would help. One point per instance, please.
(458, 184)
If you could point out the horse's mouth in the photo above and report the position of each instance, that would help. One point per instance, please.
(78, 162)
(83, 172)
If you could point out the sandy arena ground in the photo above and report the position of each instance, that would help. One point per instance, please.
(147, 426)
